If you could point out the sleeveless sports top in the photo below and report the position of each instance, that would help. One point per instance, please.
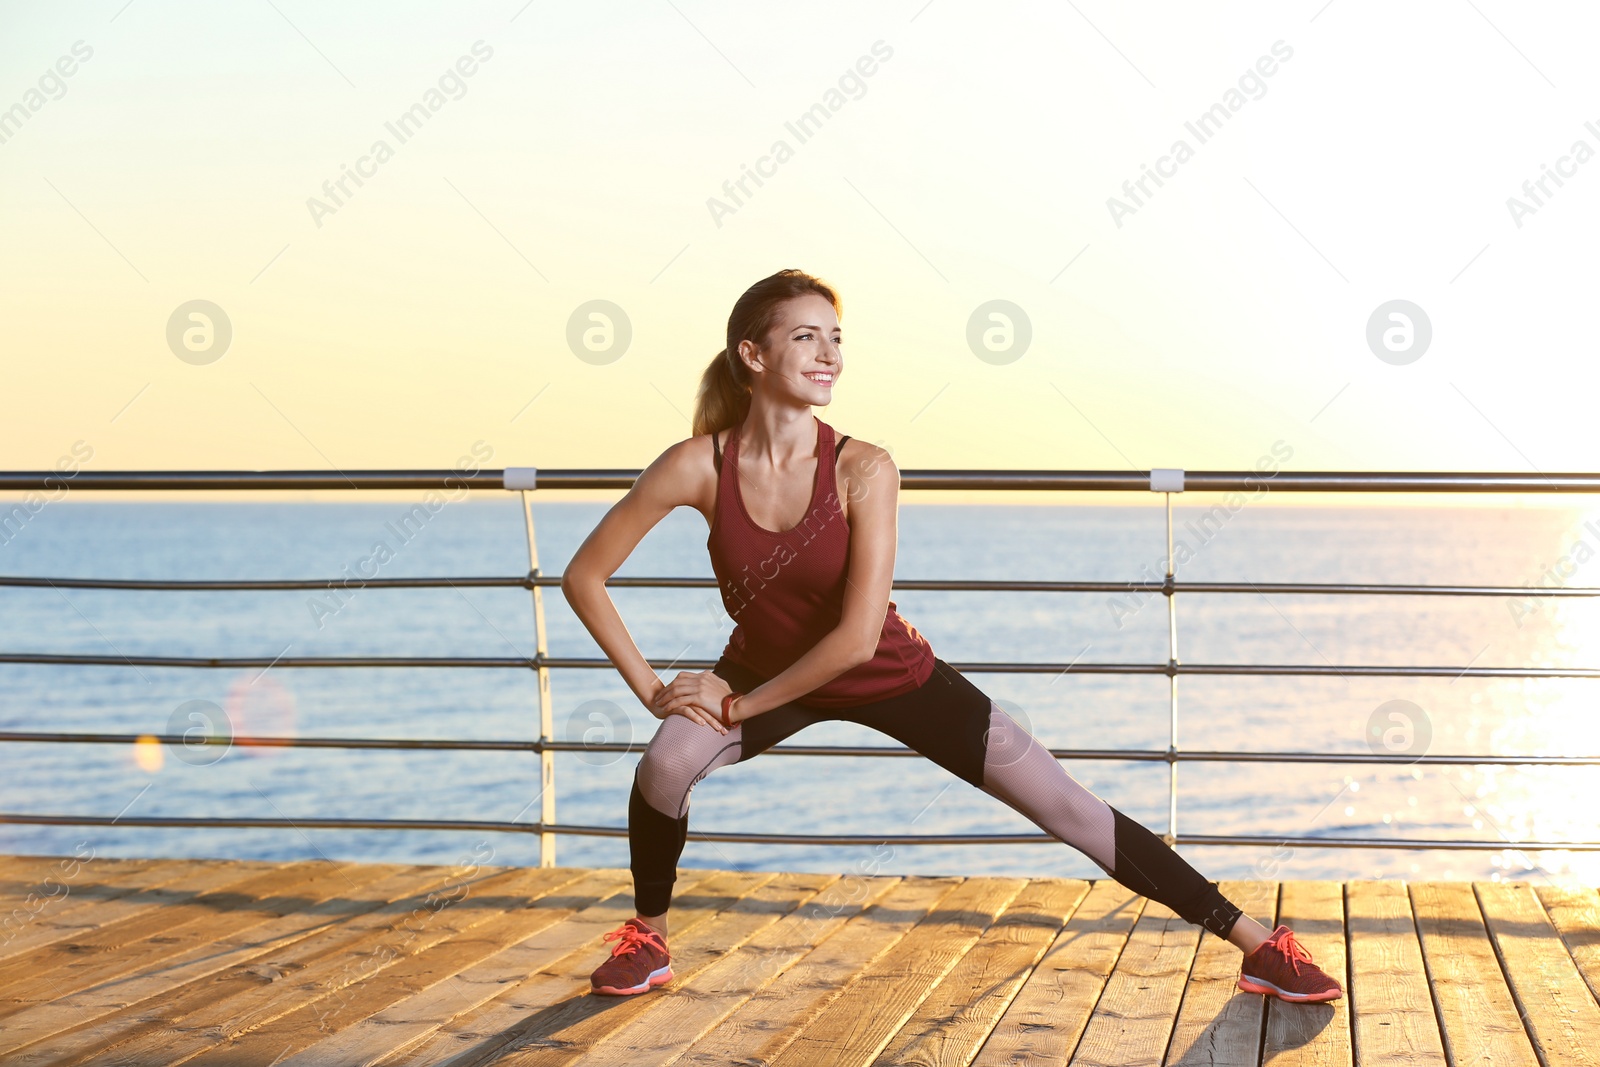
(785, 591)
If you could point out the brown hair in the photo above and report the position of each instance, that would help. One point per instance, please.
(724, 396)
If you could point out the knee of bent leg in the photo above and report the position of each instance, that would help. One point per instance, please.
(663, 783)
(669, 768)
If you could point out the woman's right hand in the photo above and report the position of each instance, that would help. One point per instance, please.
(691, 694)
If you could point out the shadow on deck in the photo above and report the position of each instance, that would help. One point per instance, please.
(218, 962)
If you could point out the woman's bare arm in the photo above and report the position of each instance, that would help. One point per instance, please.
(875, 488)
(675, 478)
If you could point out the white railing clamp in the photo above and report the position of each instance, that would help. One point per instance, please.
(521, 477)
(1166, 480)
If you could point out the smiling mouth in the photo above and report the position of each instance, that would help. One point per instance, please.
(820, 377)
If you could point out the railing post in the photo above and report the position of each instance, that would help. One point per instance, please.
(547, 758)
(1167, 482)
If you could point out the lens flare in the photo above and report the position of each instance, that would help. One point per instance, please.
(147, 754)
(260, 706)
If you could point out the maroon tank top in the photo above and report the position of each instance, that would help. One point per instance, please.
(785, 591)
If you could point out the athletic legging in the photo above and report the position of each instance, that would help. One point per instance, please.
(952, 723)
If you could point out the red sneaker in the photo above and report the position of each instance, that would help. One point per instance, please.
(638, 962)
(1281, 967)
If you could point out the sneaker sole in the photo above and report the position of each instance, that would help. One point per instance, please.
(659, 976)
(1256, 985)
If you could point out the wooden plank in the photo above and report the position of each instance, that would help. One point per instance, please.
(857, 1025)
(1560, 1013)
(356, 930)
(1219, 1025)
(54, 876)
(1312, 1034)
(564, 1032)
(242, 1002)
(1477, 1014)
(18, 873)
(73, 880)
(49, 892)
(765, 1025)
(477, 1033)
(759, 981)
(110, 897)
(697, 1005)
(1575, 911)
(411, 975)
(950, 1026)
(1050, 1012)
(1391, 1006)
(377, 884)
(19, 869)
(1134, 1017)
(406, 1022)
(104, 951)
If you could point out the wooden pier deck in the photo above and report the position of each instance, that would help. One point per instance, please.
(219, 962)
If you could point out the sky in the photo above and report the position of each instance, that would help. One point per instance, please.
(1348, 255)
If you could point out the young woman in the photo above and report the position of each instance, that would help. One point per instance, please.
(802, 541)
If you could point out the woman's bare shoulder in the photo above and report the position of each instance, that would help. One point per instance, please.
(862, 467)
(686, 458)
(684, 471)
(864, 459)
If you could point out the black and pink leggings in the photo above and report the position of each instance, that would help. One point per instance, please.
(950, 721)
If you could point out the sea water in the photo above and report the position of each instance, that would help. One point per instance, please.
(1258, 543)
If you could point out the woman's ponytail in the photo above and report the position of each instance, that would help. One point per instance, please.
(724, 396)
(725, 386)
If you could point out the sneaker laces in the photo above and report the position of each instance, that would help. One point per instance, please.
(629, 937)
(1293, 951)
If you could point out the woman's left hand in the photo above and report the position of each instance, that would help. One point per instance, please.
(702, 689)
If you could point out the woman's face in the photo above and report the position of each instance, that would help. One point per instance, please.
(802, 360)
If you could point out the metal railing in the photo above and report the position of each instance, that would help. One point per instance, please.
(526, 480)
